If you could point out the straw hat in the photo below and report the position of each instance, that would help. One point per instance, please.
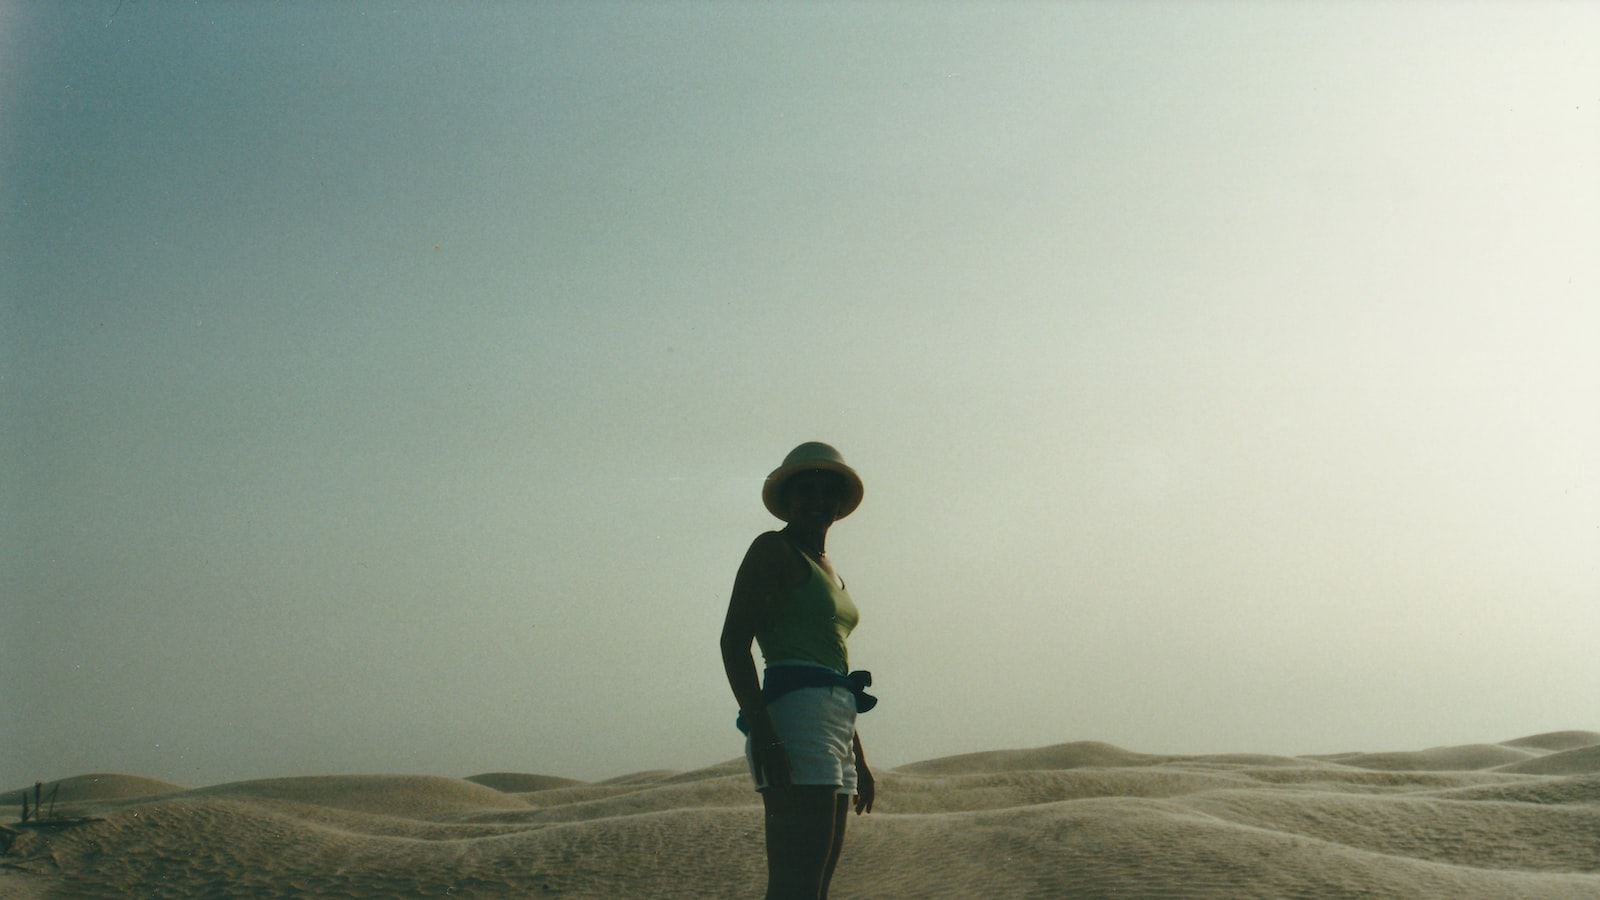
(804, 458)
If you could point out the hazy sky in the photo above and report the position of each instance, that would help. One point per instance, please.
(387, 387)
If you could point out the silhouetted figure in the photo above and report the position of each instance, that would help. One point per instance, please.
(805, 755)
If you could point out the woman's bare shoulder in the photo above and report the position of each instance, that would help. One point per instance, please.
(769, 540)
(771, 552)
(768, 549)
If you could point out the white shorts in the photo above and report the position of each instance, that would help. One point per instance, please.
(817, 726)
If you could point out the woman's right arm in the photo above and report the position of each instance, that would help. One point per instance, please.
(755, 589)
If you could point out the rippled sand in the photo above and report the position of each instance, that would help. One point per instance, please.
(1515, 819)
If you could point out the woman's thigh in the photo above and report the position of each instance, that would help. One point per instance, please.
(802, 800)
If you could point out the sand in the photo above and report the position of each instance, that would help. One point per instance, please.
(1515, 819)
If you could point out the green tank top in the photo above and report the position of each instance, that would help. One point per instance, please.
(810, 623)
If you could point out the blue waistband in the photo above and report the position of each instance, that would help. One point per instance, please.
(782, 680)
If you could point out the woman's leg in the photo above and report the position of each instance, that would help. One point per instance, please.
(800, 840)
(841, 805)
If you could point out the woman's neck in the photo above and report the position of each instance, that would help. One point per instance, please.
(811, 541)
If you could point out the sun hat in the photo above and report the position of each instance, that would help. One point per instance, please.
(804, 458)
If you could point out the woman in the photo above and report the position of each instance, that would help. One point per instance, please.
(805, 755)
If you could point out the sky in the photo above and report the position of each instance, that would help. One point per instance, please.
(387, 387)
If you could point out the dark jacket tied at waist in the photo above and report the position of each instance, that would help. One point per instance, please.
(782, 680)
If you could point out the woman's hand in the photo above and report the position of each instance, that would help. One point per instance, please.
(767, 753)
(866, 785)
(770, 756)
(866, 789)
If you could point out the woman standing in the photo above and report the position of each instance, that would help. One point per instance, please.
(805, 755)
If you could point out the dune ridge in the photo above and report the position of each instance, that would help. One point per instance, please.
(521, 783)
(100, 786)
(1520, 818)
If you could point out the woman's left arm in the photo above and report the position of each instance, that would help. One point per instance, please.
(866, 785)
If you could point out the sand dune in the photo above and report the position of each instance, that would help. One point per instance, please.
(1469, 757)
(1577, 761)
(518, 783)
(1558, 740)
(1515, 819)
(94, 787)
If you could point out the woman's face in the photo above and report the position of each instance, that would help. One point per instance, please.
(814, 497)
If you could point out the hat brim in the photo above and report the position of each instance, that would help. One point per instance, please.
(772, 490)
